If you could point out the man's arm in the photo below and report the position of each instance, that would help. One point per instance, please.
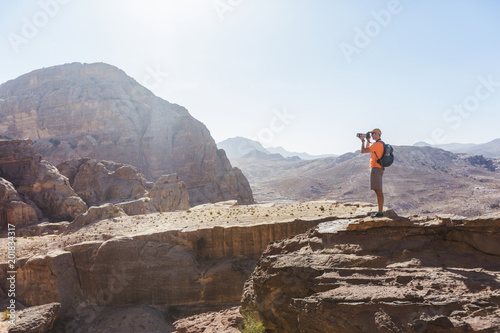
(365, 150)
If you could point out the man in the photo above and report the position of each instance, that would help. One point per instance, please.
(377, 171)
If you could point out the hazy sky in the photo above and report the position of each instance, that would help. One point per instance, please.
(303, 74)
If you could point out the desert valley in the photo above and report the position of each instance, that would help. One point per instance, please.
(120, 213)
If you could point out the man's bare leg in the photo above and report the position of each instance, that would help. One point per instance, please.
(380, 200)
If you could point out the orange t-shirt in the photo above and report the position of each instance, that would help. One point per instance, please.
(377, 147)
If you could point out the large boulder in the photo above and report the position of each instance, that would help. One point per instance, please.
(97, 111)
(169, 194)
(39, 181)
(12, 209)
(37, 319)
(98, 182)
(387, 275)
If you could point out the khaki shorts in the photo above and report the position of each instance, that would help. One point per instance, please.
(376, 178)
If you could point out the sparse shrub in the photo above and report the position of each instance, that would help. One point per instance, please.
(321, 208)
(252, 323)
(5, 315)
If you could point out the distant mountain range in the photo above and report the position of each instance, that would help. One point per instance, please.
(488, 149)
(238, 147)
(422, 180)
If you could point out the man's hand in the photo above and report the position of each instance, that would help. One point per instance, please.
(364, 149)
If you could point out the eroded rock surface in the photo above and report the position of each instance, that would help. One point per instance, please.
(169, 194)
(12, 209)
(38, 181)
(97, 111)
(98, 182)
(195, 259)
(386, 275)
(224, 321)
(36, 319)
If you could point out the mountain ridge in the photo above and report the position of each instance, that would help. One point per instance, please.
(422, 180)
(238, 147)
(488, 149)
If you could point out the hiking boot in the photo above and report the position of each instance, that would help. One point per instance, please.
(378, 214)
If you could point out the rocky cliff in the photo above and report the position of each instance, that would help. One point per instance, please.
(32, 188)
(387, 275)
(176, 262)
(33, 191)
(341, 272)
(97, 111)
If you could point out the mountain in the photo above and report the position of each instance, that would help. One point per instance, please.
(421, 180)
(488, 149)
(303, 156)
(260, 155)
(238, 147)
(97, 111)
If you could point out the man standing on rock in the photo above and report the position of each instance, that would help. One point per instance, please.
(377, 171)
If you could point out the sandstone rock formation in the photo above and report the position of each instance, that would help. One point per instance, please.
(224, 321)
(39, 181)
(37, 319)
(138, 207)
(95, 213)
(98, 182)
(12, 209)
(188, 260)
(387, 275)
(169, 194)
(97, 111)
(135, 319)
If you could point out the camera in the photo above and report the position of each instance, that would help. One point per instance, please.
(362, 136)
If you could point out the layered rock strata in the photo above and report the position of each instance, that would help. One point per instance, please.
(97, 111)
(37, 182)
(386, 275)
(196, 259)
